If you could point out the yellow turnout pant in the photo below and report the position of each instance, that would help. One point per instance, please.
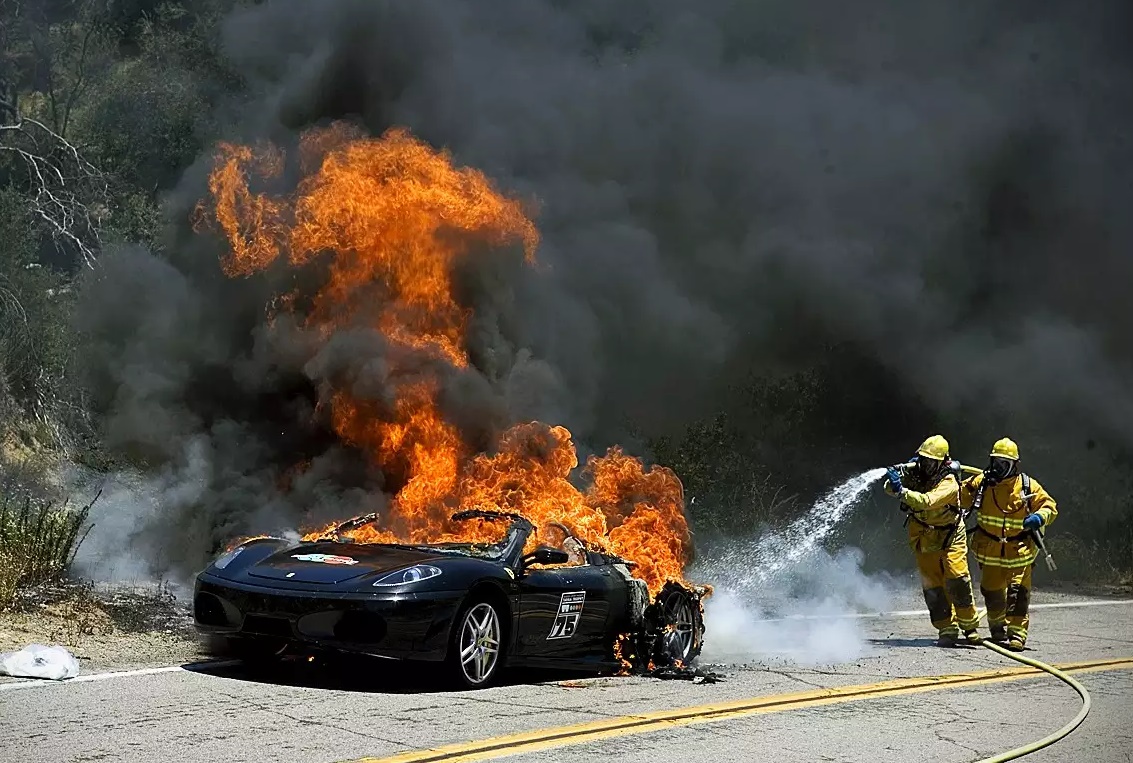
(1007, 594)
(947, 586)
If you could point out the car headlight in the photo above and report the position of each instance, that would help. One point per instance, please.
(408, 575)
(226, 558)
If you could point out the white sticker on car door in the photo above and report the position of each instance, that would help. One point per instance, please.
(570, 610)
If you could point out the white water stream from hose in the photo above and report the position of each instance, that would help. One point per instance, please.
(787, 572)
(776, 551)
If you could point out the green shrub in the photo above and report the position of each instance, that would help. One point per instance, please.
(38, 541)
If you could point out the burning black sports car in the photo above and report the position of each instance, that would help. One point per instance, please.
(478, 607)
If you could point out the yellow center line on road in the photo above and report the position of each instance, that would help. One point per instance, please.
(581, 733)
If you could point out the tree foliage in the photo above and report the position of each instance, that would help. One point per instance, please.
(103, 103)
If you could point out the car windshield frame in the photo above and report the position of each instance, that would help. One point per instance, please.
(506, 549)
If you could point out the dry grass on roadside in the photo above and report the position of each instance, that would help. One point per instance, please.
(1125, 579)
(9, 579)
(38, 541)
(106, 626)
(1091, 562)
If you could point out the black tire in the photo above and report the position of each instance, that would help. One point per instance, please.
(679, 634)
(478, 623)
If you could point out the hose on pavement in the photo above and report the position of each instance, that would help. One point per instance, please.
(1027, 749)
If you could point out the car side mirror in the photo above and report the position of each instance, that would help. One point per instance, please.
(546, 555)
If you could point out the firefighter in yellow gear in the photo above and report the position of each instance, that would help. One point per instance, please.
(1009, 506)
(929, 490)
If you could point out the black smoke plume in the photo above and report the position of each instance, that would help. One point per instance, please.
(919, 208)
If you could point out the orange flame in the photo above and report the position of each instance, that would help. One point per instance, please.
(622, 644)
(393, 218)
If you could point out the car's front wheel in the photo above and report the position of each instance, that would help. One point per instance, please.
(477, 649)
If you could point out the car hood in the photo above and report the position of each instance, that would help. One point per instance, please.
(331, 563)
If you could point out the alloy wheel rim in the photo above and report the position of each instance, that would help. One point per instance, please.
(680, 618)
(479, 643)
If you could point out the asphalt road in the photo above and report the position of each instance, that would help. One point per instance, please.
(225, 714)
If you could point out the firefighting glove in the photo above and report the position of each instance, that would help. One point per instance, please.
(894, 478)
(1033, 522)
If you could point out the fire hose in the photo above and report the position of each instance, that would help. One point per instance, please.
(1046, 741)
(1075, 722)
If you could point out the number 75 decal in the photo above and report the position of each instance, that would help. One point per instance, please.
(566, 620)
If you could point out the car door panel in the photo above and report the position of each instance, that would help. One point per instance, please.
(564, 611)
(540, 592)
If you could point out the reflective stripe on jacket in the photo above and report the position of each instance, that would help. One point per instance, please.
(1001, 540)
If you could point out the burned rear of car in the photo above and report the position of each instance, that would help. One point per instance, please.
(667, 632)
(476, 608)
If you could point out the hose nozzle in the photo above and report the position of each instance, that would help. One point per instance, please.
(1038, 536)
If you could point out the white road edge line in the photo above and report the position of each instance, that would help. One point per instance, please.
(118, 674)
(229, 663)
(923, 612)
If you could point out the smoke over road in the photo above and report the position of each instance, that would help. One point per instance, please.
(780, 593)
(923, 206)
(795, 614)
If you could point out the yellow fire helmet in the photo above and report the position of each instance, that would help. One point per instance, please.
(1005, 448)
(935, 447)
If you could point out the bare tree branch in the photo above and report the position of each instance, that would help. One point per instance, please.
(14, 328)
(66, 192)
(9, 101)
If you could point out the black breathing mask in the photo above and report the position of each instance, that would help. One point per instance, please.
(999, 469)
(929, 468)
